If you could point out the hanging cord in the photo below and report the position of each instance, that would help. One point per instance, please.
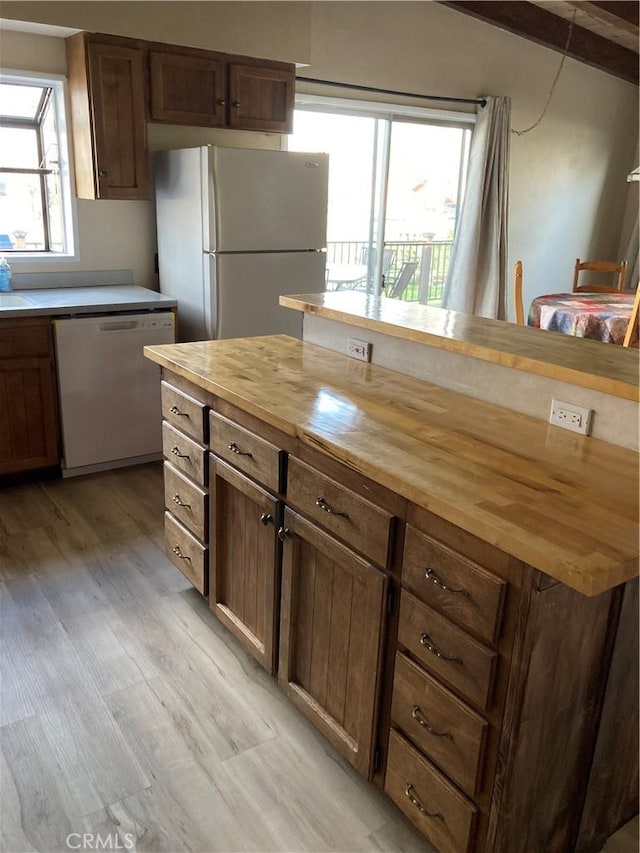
(555, 80)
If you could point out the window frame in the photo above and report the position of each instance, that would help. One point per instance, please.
(391, 113)
(59, 99)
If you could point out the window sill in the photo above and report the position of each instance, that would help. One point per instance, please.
(38, 257)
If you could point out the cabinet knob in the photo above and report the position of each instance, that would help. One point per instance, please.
(102, 173)
(179, 502)
(283, 532)
(176, 452)
(417, 715)
(221, 102)
(266, 518)
(176, 411)
(410, 795)
(235, 104)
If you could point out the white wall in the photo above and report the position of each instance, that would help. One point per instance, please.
(568, 187)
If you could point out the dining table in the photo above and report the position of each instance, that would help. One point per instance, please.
(598, 316)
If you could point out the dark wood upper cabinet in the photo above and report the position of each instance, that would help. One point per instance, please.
(117, 84)
(261, 98)
(107, 86)
(187, 89)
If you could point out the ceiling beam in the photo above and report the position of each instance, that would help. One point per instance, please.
(621, 13)
(536, 24)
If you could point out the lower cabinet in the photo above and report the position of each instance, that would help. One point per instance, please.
(28, 396)
(244, 571)
(331, 635)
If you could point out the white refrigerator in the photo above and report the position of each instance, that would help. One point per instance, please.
(236, 229)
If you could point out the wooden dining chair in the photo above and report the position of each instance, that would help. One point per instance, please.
(517, 293)
(632, 338)
(600, 267)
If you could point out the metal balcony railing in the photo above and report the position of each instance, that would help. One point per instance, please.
(425, 285)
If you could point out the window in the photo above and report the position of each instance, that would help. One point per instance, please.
(396, 183)
(35, 193)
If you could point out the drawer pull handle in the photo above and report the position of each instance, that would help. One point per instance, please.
(416, 713)
(283, 532)
(176, 411)
(176, 550)
(324, 506)
(176, 452)
(177, 500)
(426, 641)
(266, 518)
(233, 447)
(430, 575)
(416, 802)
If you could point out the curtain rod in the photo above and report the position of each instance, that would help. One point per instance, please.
(481, 101)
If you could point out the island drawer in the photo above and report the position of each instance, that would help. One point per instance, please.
(184, 453)
(186, 501)
(184, 412)
(186, 553)
(444, 815)
(245, 450)
(439, 723)
(452, 584)
(442, 648)
(361, 524)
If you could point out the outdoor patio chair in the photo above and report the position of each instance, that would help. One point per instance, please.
(397, 289)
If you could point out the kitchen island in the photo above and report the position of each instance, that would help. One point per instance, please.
(444, 592)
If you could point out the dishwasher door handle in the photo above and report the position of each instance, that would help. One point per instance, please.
(118, 326)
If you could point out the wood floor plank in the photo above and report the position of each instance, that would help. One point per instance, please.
(38, 810)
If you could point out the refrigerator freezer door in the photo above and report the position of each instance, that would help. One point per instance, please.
(265, 201)
(247, 288)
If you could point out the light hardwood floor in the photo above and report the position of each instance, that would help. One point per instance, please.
(127, 712)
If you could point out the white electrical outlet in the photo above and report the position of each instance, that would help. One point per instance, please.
(570, 416)
(359, 349)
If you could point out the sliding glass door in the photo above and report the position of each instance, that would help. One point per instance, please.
(395, 192)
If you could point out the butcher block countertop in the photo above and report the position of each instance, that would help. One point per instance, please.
(589, 364)
(565, 504)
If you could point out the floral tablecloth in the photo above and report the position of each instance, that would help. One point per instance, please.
(599, 316)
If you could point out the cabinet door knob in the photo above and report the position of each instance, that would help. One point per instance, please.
(221, 102)
(266, 518)
(283, 532)
(102, 173)
(430, 575)
(235, 104)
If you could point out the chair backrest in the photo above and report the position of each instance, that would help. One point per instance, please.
(632, 338)
(618, 267)
(517, 293)
(387, 258)
(399, 286)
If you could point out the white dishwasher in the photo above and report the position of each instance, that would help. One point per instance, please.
(109, 393)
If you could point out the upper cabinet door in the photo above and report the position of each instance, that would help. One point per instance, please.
(116, 95)
(187, 89)
(261, 97)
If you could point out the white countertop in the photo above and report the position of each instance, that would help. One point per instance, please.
(86, 300)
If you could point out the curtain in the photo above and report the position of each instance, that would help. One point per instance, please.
(477, 277)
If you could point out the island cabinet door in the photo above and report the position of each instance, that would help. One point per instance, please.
(245, 557)
(331, 633)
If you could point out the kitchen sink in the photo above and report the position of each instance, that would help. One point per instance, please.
(14, 300)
